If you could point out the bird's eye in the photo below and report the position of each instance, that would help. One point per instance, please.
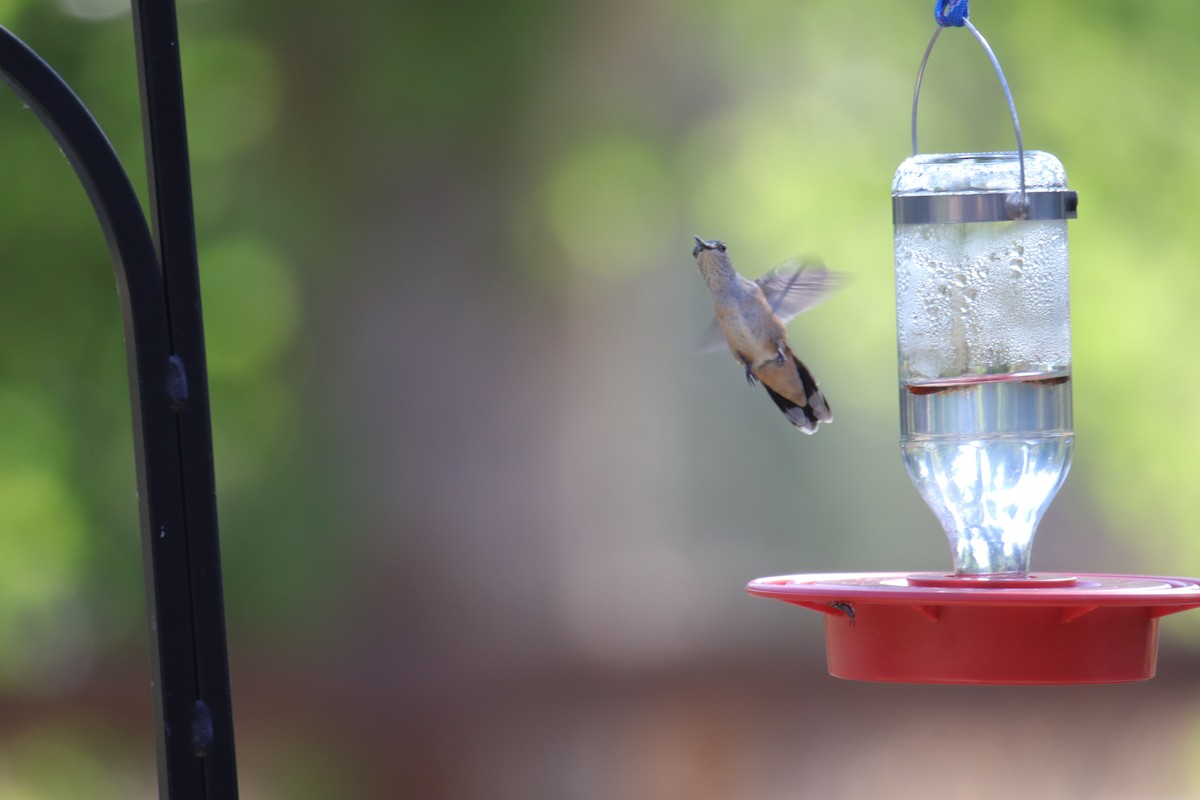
(721, 246)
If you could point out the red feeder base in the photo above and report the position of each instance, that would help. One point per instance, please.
(934, 628)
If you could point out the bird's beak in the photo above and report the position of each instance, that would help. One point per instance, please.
(702, 244)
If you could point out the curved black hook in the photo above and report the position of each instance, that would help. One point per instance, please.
(189, 659)
(90, 153)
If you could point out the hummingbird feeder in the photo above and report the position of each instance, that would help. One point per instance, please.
(986, 432)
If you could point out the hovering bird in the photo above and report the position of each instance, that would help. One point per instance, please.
(751, 316)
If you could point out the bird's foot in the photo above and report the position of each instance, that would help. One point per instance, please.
(750, 377)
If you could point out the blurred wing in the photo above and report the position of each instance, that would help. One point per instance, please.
(794, 287)
(712, 339)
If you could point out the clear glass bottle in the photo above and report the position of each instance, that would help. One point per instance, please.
(984, 340)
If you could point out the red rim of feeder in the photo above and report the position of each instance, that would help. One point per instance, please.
(1049, 628)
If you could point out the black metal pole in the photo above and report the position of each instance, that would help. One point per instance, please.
(165, 131)
(169, 399)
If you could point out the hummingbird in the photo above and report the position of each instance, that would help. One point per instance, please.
(750, 317)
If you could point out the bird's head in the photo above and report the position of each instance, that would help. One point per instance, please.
(707, 244)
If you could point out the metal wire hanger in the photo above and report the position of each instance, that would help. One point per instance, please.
(953, 13)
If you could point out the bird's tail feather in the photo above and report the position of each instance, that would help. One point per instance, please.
(805, 417)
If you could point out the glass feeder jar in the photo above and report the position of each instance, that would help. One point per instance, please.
(984, 346)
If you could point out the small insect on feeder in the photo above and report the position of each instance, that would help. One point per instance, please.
(984, 351)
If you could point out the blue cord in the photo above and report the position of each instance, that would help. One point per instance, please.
(951, 13)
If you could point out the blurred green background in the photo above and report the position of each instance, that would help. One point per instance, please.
(486, 519)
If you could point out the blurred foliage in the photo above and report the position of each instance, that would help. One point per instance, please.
(57, 761)
(598, 138)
